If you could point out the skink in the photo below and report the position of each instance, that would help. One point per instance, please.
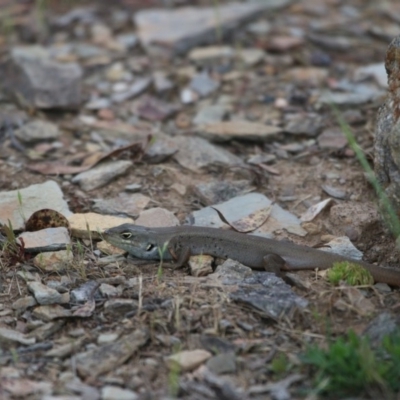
(180, 242)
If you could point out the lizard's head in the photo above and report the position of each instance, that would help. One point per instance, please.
(136, 240)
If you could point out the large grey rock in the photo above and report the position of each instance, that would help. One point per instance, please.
(182, 28)
(17, 205)
(33, 79)
(101, 174)
(37, 130)
(251, 212)
(43, 294)
(49, 239)
(387, 133)
(196, 153)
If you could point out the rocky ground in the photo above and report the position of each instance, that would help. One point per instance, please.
(220, 114)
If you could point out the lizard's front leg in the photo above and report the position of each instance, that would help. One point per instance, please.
(274, 263)
(180, 255)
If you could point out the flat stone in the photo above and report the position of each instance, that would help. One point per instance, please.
(109, 290)
(87, 51)
(179, 188)
(49, 239)
(304, 124)
(377, 71)
(218, 344)
(201, 265)
(231, 271)
(356, 300)
(382, 287)
(187, 360)
(40, 81)
(32, 199)
(23, 303)
(329, 42)
(107, 338)
(292, 147)
(188, 96)
(106, 114)
(312, 76)
(116, 393)
(65, 350)
(196, 153)
(120, 306)
(133, 187)
(157, 216)
(122, 205)
(8, 336)
(203, 85)
(162, 148)
(269, 295)
(220, 191)
(350, 98)
(37, 130)
(161, 82)
(84, 292)
(251, 57)
(332, 139)
(109, 250)
(53, 261)
(210, 53)
(98, 103)
(27, 388)
(76, 14)
(90, 225)
(180, 29)
(251, 212)
(109, 356)
(384, 324)
(224, 363)
(283, 43)
(239, 130)
(10, 372)
(334, 192)
(119, 87)
(261, 159)
(50, 312)
(45, 331)
(128, 40)
(261, 27)
(246, 213)
(281, 219)
(343, 246)
(102, 174)
(210, 114)
(115, 72)
(27, 276)
(43, 294)
(207, 216)
(154, 109)
(137, 87)
(60, 285)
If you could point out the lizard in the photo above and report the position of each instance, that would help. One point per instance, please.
(178, 243)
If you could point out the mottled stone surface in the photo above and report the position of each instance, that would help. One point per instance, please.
(40, 82)
(387, 135)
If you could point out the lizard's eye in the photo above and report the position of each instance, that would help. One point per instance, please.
(149, 247)
(126, 235)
